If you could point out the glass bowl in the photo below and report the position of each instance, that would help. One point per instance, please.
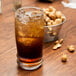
(52, 31)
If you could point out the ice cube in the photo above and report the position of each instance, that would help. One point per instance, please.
(27, 41)
(21, 34)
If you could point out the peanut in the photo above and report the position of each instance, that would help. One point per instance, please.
(71, 48)
(58, 14)
(64, 58)
(56, 46)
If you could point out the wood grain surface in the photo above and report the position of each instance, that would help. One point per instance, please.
(52, 65)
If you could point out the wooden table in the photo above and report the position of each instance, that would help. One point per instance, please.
(52, 65)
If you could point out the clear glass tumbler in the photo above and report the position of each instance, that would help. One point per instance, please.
(29, 31)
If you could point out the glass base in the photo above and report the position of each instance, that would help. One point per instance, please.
(30, 66)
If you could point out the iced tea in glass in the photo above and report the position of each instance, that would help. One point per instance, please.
(29, 31)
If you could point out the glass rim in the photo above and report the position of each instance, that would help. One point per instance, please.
(26, 7)
(57, 24)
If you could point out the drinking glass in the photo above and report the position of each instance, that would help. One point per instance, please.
(29, 31)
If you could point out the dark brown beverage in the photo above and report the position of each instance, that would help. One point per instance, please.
(29, 29)
(30, 52)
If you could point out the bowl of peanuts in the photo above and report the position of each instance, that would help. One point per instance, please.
(54, 20)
